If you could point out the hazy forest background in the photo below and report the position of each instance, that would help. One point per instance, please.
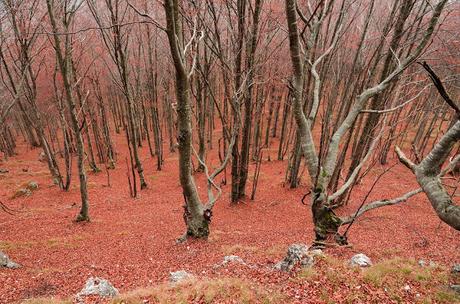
(230, 151)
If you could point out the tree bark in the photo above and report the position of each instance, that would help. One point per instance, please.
(196, 218)
(64, 63)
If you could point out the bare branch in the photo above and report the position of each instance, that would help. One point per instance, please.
(355, 172)
(442, 91)
(397, 107)
(404, 160)
(145, 15)
(380, 203)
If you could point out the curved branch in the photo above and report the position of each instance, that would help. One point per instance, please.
(427, 174)
(380, 203)
(404, 160)
(332, 153)
(442, 91)
(355, 172)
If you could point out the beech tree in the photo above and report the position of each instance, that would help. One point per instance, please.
(321, 167)
(428, 171)
(116, 42)
(197, 215)
(335, 90)
(66, 11)
(23, 66)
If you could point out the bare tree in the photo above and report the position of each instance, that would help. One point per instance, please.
(197, 215)
(321, 168)
(63, 49)
(428, 171)
(23, 65)
(116, 40)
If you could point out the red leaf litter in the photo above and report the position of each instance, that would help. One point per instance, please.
(131, 242)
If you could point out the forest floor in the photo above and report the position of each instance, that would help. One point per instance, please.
(131, 242)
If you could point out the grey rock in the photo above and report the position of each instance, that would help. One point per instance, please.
(3, 259)
(5, 262)
(32, 186)
(12, 265)
(423, 263)
(297, 254)
(98, 286)
(3, 170)
(27, 190)
(233, 258)
(456, 269)
(230, 259)
(455, 287)
(42, 157)
(180, 276)
(22, 192)
(360, 260)
(316, 253)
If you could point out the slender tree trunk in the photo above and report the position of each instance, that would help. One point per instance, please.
(196, 218)
(64, 63)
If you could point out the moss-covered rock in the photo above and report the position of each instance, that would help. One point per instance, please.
(32, 186)
(22, 192)
(6, 262)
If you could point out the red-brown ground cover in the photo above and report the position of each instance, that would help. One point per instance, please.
(131, 242)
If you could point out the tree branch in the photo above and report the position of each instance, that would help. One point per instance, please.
(442, 91)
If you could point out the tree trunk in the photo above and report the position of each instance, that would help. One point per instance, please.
(64, 62)
(196, 218)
